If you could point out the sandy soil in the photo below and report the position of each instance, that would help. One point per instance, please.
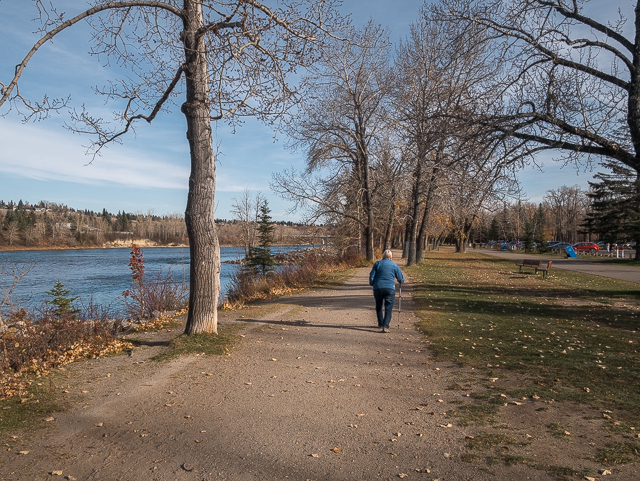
(315, 392)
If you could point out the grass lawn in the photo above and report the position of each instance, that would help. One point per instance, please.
(572, 336)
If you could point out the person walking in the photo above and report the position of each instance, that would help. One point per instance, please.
(383, 279)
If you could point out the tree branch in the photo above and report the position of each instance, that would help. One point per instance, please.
(8, 89)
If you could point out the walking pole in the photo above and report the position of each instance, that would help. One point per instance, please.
(399, 306)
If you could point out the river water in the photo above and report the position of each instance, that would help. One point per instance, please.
(101, 275)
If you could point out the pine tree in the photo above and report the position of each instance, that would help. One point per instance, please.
(64, 308)
(540, 229)
(261, 257)
(528, 237)
(615, 213)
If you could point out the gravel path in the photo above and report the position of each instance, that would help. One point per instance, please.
(315, 392)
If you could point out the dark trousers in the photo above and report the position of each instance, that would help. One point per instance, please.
(386, 297)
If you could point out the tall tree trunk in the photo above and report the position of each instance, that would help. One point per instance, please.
(415, 215)
(405, 243)
(199, 215)
(389, 229)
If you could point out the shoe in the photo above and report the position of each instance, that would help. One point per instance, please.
(384, 329)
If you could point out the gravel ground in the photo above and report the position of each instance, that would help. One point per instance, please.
(315, 392)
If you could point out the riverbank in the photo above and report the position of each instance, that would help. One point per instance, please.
(119, 244)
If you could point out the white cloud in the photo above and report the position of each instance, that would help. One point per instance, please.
(36, 152)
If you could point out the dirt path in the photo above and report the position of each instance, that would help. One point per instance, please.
(315, 392)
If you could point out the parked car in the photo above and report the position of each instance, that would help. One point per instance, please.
(559, 247)
(590, 247)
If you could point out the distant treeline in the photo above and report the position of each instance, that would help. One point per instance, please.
(47, 224)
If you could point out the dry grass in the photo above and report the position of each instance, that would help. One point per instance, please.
(33, 349)
(247, 285)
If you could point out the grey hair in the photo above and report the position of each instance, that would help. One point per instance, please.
(387, 254)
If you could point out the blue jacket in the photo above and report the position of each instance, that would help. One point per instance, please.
(384, 273)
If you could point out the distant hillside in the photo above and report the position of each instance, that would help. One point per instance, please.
(51, 225)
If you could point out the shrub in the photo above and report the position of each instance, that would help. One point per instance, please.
(160, 294)
(37, 345)
(248, 285)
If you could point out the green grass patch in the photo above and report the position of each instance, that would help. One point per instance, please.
(29, 410)
(558, 430)
(563, 472)
(208, 344)
(618, 453)
(475, 414)
(486, 441)
(563, 333)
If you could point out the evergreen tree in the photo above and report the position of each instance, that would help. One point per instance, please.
(540, 229)
(63, 304)
(528, 237)
(261, 257)
(615, 209)
(494, 231)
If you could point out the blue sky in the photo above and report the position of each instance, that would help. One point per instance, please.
(149, 171)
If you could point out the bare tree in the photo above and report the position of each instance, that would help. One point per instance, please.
(574, 85)
(442, 73)
(568, 208)
(341, 117)
(227, 57)
(473, 181)
(246, 211)
(11, 274)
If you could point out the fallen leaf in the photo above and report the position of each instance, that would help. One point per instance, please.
(336, 450)
(48, 419)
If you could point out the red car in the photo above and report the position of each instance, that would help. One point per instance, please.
(589, 247)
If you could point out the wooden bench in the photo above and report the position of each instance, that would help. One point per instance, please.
(531, 263)
(544, 269)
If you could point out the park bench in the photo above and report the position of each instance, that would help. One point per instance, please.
(531, 263)
(544, 269)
